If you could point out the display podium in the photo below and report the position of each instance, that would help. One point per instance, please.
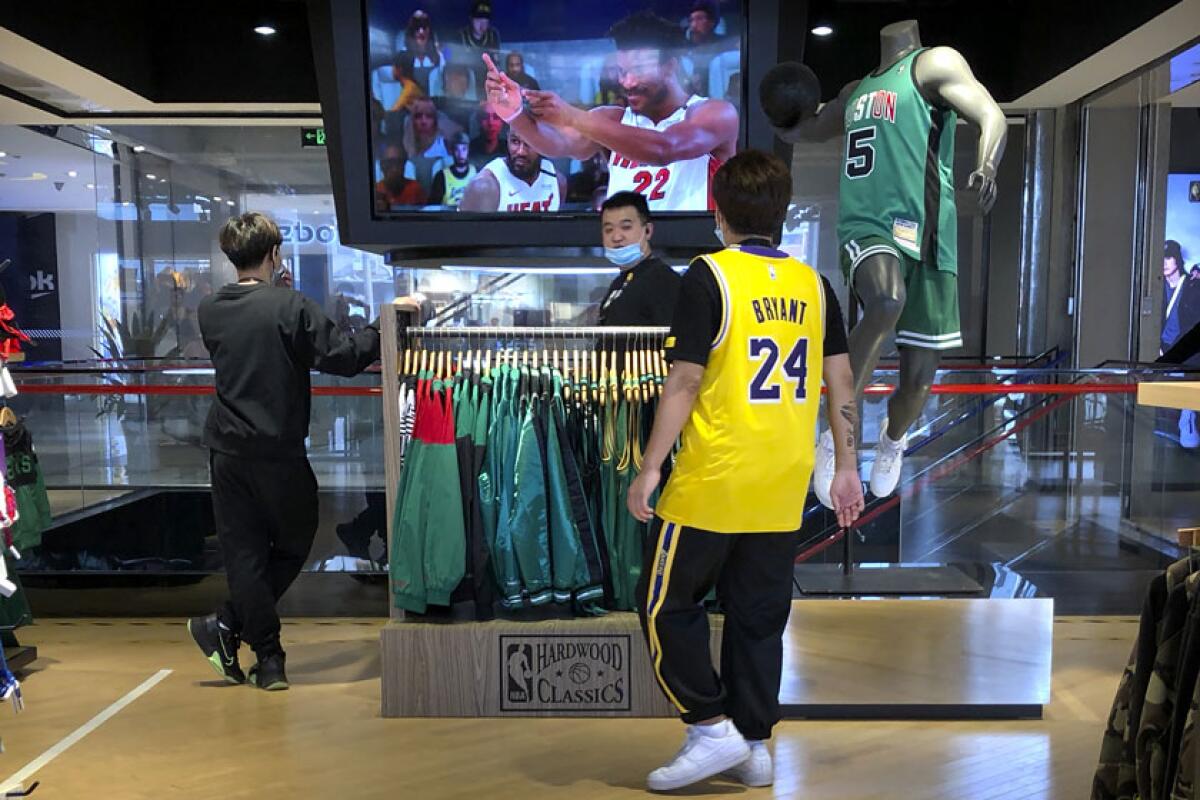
(891, 658)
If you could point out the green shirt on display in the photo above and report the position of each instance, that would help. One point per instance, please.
(897, 178)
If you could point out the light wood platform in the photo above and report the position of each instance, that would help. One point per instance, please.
(1170, 394)
(886, 658)
(190, 737)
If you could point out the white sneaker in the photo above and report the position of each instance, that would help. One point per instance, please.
(824, 468)
(1189, 437)
(889, 459)
(708, 750)
(757, 770)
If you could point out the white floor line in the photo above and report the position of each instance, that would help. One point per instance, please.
(73, 738)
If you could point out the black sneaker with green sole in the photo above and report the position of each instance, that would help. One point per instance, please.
(219, 645)
(268, 673)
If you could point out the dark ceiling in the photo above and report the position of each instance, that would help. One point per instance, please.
(1013, 46)
(181, 51)
(206, 52)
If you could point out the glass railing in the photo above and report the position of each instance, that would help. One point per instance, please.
(1036, 481)
(1031, 478)
(123, 442)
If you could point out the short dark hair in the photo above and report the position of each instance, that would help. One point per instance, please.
(753, 190)
(628, 200)
(1171, 249)
(647, 30)
(708, 7)
(249, 238)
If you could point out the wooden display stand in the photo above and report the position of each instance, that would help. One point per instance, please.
(884, 659)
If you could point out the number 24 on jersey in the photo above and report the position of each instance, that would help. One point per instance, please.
(766, 351)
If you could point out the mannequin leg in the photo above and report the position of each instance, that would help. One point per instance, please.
(918, 368)
(879, 284)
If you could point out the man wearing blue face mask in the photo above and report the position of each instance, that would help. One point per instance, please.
(645, 291)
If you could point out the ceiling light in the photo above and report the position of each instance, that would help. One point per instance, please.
(72, 173)
(91, 186)
(3, 154)
(228, 202)
(162, 180)
(264, 30)
(151, 175)
(217, 198)
(822, 31)
(139, 148)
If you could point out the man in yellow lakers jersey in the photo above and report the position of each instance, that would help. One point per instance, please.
(755, 333)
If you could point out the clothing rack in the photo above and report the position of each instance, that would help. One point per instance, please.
(397, 334)
(512, 332)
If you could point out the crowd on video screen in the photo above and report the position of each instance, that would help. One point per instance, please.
(578, 96)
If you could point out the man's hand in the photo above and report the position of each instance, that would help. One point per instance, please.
(502, 91)
(847, 495)
(551, 109)
(638, 500)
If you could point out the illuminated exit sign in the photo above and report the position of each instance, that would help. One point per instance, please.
(312, 137)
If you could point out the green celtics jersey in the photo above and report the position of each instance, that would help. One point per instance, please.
(897, 178)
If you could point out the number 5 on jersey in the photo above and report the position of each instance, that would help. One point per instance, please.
(860, 153)
(766, 350)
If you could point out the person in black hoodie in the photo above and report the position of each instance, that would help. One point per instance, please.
(263, 340)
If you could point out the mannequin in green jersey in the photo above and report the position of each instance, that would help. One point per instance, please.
(897, 223)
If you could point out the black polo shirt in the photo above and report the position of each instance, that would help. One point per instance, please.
(645, 294)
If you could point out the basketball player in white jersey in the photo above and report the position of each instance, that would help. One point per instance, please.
(522, 181)
(665, 146)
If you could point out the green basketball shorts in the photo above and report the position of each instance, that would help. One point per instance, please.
(930, 317)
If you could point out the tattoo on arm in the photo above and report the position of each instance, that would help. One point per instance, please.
(849, 412)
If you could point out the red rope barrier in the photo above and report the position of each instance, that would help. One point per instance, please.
(373, 391)
(176, 391)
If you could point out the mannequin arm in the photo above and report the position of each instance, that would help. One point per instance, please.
(828, 123)
(944, 74)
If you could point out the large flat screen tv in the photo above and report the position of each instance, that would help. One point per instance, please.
(459, 126)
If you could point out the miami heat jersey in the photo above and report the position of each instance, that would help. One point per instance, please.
(517, 195)
(680, 186)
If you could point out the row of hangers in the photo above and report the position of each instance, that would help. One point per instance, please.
(586, 372)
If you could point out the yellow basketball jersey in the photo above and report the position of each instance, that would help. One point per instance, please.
(749, 445)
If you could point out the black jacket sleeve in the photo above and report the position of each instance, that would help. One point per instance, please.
(326, 349)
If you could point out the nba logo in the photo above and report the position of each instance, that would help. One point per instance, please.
(520, 673)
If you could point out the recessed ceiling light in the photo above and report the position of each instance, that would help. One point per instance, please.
(151, 175)
(139, 148)
(72, 173)
(162, 180)
(228, 202)
(3, 154)
(822, 31)
(217, 198)
(91, 186)
(264, 30)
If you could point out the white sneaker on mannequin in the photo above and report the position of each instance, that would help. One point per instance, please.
(757, 770)
(889, 460)
(1189, 437)
(708, 750)
(824, 468)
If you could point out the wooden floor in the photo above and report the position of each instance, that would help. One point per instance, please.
(189, 737)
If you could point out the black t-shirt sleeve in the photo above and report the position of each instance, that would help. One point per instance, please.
(328, 350)
(835, 325)
(697, 316)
